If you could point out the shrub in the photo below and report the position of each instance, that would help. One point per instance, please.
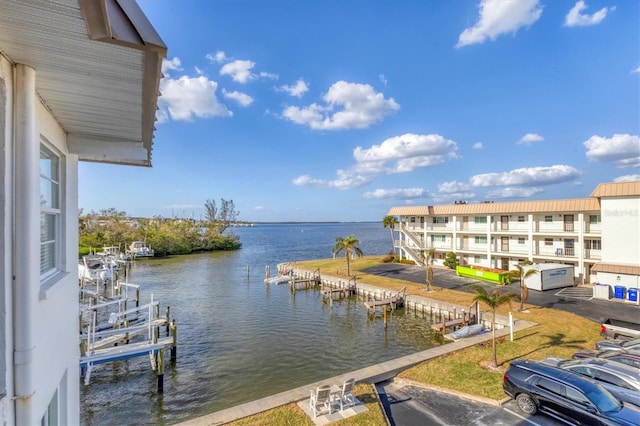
(451, 260)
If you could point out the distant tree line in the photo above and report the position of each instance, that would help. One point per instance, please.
(166, 236)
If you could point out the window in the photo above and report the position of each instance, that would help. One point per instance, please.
(438, 238)
(551, 386)
(481, 240)
(441, 219)
(520, 218)
(520, 240)
(50, 417)
(480, 219)
(49, 211)
(576, 396)
(548, 218)
(413, 219)
(548, 241)
(593, 244)
(595, 218)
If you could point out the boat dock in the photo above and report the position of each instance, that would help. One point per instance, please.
(458, 319)
(110, 331)
(389, 301)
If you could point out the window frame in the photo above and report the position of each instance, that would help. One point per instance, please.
(54, 182)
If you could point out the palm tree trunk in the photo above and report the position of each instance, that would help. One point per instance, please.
(493, 328)
(348, 263)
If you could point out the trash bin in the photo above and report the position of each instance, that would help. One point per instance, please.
(633, 294)
(602, 291)
(619, 291)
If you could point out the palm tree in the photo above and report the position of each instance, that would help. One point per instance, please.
(522, 274)
(494, 301)
(391, 222)
(350, 246)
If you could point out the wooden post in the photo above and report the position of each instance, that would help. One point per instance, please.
(174, 343)
(161, 371)
(247, 271)
(137, 297)
(384, 316)
(167, 319)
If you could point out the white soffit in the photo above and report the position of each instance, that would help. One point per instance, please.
(101, 93)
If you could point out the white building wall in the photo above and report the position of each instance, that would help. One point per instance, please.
(50, 362)
(6, 225)
(620, 230)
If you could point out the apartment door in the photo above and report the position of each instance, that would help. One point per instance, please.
(568, 247)
(465, 223)
(504, 264)
(504, 246)
(568, 223)
(504, 223)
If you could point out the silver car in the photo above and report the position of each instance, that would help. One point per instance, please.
(618, 344)
(620, 379)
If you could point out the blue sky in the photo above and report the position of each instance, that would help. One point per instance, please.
(337, 110)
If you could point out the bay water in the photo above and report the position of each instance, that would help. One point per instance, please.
(240, 339)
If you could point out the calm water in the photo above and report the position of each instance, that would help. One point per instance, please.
(239, 339)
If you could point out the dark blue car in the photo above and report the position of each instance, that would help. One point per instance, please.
(566, 396)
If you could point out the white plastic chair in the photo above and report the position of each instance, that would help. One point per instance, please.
(320, 400)
(346, 394)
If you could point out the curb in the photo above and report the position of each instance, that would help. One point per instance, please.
(476, 398)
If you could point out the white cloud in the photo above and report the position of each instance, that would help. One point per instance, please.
(477, 145)
(430, 149)
(186, 97)
(240, 71)
(383, 79)
(169, 65)
(240, 98)
(399, 154)
(513, 192)
(258, 208)
(577, 19)
(269, 75)
(623, 150)
(298, 89)
(218, 57)
(528, 176)
(636, 70)
(627, 178)
(499, 17)
(456, 196)
(530, 138)
(359, 106)
(396, 193)
(453, 187)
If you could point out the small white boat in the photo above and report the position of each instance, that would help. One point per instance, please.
(140, 249)
(96, 268)
(466, 331)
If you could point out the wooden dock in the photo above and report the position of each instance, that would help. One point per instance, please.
(465, 318)
(340, 289)
(392, 302)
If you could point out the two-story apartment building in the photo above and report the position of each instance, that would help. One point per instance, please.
(597, 235)
(79, 81)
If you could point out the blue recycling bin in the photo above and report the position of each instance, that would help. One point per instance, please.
(619, 291)
(633, 294)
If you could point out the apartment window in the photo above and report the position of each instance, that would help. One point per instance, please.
(481, 240)
(548, 241)
(441, 220)
(413, 219)
(548, 218)
(438, 238)
(593, 244)
(49, 211)
(595, 218)
(520, 218)
(480, 219)
(520, 240)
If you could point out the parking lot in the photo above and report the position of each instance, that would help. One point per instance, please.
(408, 405)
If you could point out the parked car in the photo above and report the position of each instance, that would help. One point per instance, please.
(630, 357)
(621, 380)
(618, 344)
(564, 395)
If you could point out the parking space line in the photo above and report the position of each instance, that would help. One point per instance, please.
(522, 417)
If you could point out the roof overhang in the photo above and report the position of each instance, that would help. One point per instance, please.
(98, 69)
(614, 268)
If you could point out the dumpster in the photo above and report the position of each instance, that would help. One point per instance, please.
(601, 291)
(633, 294)
(619, 291)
